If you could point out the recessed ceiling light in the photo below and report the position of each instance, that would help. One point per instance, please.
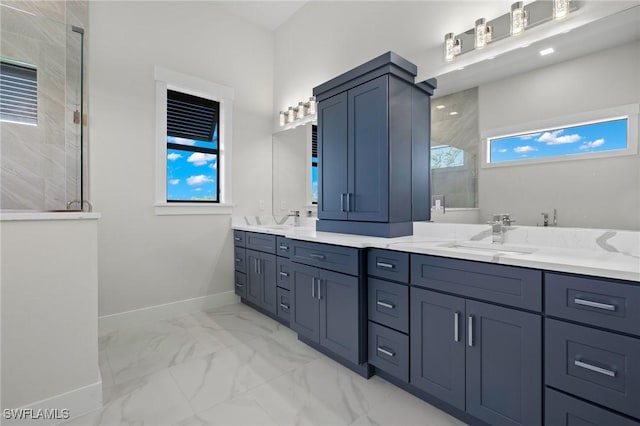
(440, 107)
(453, 113)
(547, 51)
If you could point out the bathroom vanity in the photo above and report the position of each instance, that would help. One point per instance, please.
(501, 334)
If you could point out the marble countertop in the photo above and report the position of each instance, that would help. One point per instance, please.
(602, 253)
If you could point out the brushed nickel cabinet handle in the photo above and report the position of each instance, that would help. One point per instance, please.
(470, 330)
(456, 327)
(385, 304)
(591, 367)
(285, 307)
(317, 256)
(284, 274)
(385, 351)
(385, 265)
(592, 304)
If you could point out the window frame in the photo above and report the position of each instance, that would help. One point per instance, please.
(172, 80)
(32, 77)
(631, 112)
(454, 167)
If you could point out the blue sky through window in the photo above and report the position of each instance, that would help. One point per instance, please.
(191, 176)
(314, 180)
(586, 138)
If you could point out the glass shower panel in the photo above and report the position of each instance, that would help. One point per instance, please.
(41, 162)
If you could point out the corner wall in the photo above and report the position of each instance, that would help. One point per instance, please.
(144, 259)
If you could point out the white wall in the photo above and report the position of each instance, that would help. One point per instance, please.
(148, 260)
(50, 313)
(600, 193)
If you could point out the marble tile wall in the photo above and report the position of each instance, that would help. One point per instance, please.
(40, 165)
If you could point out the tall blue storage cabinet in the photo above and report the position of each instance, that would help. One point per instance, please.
(373, 152)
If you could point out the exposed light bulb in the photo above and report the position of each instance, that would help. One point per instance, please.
(452, 46)
(518, 18)
(560, 8)
(480, 33)
(282, 118)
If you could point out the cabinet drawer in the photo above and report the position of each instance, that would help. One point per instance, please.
(563, 410)
(508, 285)
(325, 256)
(240, 259)
(283, 246)
(389, 351)
(391, 265)
(238, 238)
(604, 303)
(596, 365)
(389, 304)
(241, 285)
(260, 242)
(284, 304)
(284, 273)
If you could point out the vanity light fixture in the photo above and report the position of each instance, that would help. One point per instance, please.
(305, 110)
(312, 105)
(518, 18)
(482, 33)
(452, 46)
(560, 8)
(547, 51)
(282, 118)
(300, 113)
(291, 115)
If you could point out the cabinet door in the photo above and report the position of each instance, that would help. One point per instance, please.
(369, 151)
(268, 272)
(253, 277)
(305, 307)
(437, 347)
(504, 365)
(332, 166)
(340, 320)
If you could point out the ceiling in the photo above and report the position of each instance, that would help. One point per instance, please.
(266, 14)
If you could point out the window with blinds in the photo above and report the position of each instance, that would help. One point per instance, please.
(18, 93)
(193, 151)
(314, 164)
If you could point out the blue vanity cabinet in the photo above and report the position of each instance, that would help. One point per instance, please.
(327, 306)
(373, 150)
(239, 261)
(261, 280)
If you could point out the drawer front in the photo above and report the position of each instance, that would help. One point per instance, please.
(596, 365)
(389, 351)
(284, 304)
(284, 273)
(508, 285)
(239, 238)
(604, 303)
(283, 246)
(389, 304)
(391, 265)
(240, 259)
(325, 256)
(564, 410)
(241, 285)
(261, 242)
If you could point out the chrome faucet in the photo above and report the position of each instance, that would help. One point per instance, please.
(498, 224)
(296, 217)
(545, 218)
(80, 204)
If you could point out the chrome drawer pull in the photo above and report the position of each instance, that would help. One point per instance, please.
(239, 285)
(594, 368)
(385, 304)
(284, 274)
(285, 307)
(470, 330)
(592, 304)
(283, 247)
(238, 259)
(237, 238)
(456, 327)
(385, 351)
(317, 256)
(385, 265)
(313, 287)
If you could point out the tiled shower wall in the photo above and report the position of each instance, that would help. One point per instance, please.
(40, 165)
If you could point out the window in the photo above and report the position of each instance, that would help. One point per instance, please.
(566, 141)
(193, 151)
(443, 156)
(314, 164)
(18, 93)
(192, 148)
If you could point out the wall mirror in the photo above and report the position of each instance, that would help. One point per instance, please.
(591, 75)
(295, 183)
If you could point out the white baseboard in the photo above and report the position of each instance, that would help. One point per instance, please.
(78, 402)
(112, 322)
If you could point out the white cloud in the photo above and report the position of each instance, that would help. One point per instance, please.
(213, 165)
(198, 189)
(524, 149)
(182, 141)
(174, 181)
(200, 159)
(173, 156)
(198, 180)
(529, 136)
(556, 138)
(595, 144)
(502, 151)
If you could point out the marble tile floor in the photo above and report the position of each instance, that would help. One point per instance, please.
(235, 366)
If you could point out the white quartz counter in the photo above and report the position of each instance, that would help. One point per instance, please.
(596, 252)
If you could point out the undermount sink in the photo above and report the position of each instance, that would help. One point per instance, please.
(489, 249)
